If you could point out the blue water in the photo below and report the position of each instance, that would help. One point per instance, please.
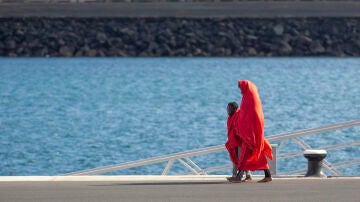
(61, 115)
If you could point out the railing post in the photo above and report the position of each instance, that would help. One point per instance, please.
(272, 163)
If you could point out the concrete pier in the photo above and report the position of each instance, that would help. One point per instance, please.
(175, 188)
(248, 9)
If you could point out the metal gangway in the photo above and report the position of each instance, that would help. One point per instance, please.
(295, 137)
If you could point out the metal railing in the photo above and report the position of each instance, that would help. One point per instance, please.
(184, 157)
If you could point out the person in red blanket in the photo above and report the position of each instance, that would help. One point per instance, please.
(247, 124)
(234, 142)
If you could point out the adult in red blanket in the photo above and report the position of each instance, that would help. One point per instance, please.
(248, 125)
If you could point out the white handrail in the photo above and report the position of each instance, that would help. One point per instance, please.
(314, 130)
(149, 161)
(185, 155)
(332, 147)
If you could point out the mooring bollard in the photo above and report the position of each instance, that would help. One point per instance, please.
(315, 161)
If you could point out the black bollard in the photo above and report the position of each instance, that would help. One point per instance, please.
(315, 161)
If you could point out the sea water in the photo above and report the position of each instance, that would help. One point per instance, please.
(59, 115)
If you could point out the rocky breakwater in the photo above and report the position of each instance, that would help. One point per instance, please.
(91, 37)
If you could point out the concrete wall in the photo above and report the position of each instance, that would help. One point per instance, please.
(53, 37)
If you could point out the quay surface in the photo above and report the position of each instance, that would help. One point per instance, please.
(175, 188)
(247, 9)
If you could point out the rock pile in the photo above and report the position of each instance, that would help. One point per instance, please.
(91, 37)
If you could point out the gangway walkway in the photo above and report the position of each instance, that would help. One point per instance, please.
(184, 157)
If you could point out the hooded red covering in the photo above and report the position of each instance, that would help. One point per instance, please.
(247, 124)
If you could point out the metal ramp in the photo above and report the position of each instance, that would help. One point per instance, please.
(280, 139)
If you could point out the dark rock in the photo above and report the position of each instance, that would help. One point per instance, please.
(317, 48)
(252, 37)
(61, 42)
(294, 32)
(79, 53)
(278, 29)
(252, 52)
(90, 53)
(101, 37)
(287, 37)
(285, 48)
(357, 43)
(304, 40)
(327, 40)
(12, 54)
(66, 51)
(10, 44)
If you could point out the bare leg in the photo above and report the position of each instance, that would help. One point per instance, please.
(238, 177)
(240, 174)
(236, 174)
(235, 170)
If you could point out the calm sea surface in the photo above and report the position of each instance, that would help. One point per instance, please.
(68, 114)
